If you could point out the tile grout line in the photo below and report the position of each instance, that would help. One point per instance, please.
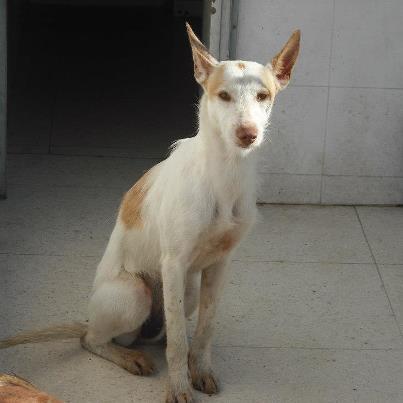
(246, 260)
(327, 103)
(378, 271)
(147, 159)
(331, 175)
(305, 348)
(358, 87)
(234, 260)
(46, 254)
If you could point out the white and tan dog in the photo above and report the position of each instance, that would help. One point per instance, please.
(178, 226)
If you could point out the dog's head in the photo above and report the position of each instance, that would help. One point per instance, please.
(240, 94)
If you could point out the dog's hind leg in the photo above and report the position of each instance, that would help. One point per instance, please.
(119, 307)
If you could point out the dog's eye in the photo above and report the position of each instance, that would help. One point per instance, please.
(262, 96)
(224, 96)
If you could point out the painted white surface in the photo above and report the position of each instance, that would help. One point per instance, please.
(337, 132)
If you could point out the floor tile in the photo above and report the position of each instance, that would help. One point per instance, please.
(247, 375)
(392, 276)
(73, 171)
(57, 220)
(306, 234)
(312, 375)
(383, 227)
(65, 370)
(43, 290)
(305, 305)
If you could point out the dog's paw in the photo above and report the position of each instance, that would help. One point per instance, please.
(205, 382)
(184, 396)
(139, 363)
(203, 378)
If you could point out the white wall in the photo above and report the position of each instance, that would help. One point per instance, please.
(337, 131)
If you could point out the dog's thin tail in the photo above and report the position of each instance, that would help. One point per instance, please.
(59, 332)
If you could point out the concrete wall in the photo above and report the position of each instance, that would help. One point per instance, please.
(337, 131)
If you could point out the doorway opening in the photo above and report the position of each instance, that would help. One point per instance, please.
(109, 78)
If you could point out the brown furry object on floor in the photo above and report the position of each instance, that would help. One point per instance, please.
(16, 390)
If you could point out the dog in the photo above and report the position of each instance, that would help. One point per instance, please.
(178, 227)
(14, 389)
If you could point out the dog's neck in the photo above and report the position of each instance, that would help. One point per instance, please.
(232, 174)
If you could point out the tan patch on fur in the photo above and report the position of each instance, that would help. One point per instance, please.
(241, 66)
(204, 62)
(212, 247)
(284, 61)
(269, 82)
(16, 390)
(215, 80)
(134, 361)
(227, 241)
(130, 209)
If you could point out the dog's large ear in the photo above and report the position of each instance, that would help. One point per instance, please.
(204, 62)
(283, 63)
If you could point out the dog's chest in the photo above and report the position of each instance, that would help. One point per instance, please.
(216, 243)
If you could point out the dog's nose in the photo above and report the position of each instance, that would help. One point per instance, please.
(246, 134)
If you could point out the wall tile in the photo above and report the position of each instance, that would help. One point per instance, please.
(265, 26)
(362, 190)
(364, 132)
(296, 132)
(280, 188)
(367, 45)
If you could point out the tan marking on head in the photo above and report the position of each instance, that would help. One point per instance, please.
(241, 66)
(130, 209)
(269, 82)
(215, 80)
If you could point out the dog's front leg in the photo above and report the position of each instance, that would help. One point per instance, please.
(173, 278)
(202, 375)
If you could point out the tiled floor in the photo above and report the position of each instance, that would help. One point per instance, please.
(313, 310)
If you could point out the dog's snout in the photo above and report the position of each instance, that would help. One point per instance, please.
(246, 134)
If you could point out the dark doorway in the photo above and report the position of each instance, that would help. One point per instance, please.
(102, 80)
